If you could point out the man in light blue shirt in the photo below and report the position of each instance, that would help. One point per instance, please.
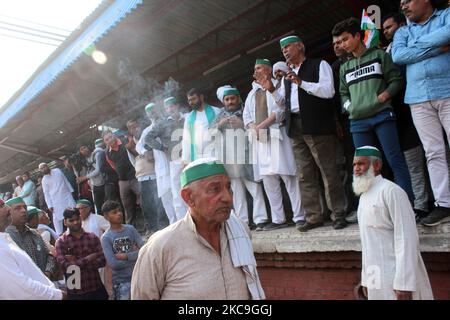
(423, 46)
(28, 192)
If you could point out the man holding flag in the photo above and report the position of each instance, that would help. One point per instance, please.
(367, 85)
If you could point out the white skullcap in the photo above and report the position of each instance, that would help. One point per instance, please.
(280, 65)
(220, 92)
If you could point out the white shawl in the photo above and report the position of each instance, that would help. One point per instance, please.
(241, 250)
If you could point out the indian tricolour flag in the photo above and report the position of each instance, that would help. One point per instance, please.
(371, 34)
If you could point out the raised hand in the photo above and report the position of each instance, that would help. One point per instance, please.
(264, 81)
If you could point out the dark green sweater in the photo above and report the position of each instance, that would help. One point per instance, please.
(363, 79)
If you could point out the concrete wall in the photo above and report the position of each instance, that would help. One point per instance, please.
(332, 275)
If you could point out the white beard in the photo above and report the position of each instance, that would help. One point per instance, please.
(363, 183)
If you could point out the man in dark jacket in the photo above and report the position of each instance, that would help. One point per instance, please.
(307, 92)
(117, 157)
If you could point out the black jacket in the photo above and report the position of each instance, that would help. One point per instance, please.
(317, 114)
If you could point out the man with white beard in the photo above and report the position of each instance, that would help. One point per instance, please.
(392, 267)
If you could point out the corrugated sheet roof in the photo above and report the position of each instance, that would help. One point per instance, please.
(108, 19)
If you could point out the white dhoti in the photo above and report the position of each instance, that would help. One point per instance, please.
(167, 202)
(275, 160)
(58, 224)
(178, 203)
(391, 258)
(273, 191)
(163, 183)
(238, 185)
(273, 156)
(58, 195)
(58, 211)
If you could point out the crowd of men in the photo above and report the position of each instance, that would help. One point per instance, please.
(283, 144)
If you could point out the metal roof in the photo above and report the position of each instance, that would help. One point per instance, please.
(108, 19)
(202, 43)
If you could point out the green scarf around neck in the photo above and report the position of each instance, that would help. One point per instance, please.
(210, 115)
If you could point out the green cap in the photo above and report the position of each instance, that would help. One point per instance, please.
(290, 39)
(98, 142)
(31, 211)
(169, 101)
(263, 61)
(149, 107)
(15, 200)
(201, 168)
(231, 91)
(84, 202)
(368, 151)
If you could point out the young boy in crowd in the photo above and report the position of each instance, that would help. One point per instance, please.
(367, 85)
(121, 244)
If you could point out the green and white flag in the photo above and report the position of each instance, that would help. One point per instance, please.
(371, 33)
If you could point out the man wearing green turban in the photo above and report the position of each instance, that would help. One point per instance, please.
(206, 255)
(236, 157)
(392, 267)
(28, 239)
(272, 152)
(20, 278)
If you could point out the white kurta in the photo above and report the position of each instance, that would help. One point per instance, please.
(179, 205)
(177, 263)
(275, 156)
(58, 195)
(95, 224)
(162, 171)
(203, 139)
(161, 164)
(20, 278)
(391, 257)
(238, 185)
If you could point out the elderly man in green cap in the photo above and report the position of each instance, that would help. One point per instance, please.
(235, 153)
(20, 278)
(164, 138)
(206, 255)
(91, 222)
(154, 142)
(35, 216)
(272, 152)
(392, 267)
(144, 164)
(306, 93)
(28, 239)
